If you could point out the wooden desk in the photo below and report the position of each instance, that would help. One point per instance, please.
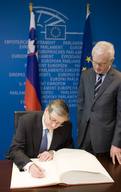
(5, 175)
(114, 171)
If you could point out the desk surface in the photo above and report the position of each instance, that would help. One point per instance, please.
(114, 171)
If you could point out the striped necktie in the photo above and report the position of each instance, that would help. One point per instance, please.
(44, 142)
(98, 83)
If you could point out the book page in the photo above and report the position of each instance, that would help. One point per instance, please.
(77, 166)
(23, 179)
(69, 166)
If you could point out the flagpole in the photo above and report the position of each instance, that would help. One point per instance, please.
(88, 10)
(30, 7)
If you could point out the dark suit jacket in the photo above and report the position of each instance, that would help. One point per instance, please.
(27, 140)
(103, 112)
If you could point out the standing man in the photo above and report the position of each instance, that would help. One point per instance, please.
(28, 140)
(99, 104)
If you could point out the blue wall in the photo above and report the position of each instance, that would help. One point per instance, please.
(14, 21)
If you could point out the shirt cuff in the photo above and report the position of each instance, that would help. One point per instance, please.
(27, 166)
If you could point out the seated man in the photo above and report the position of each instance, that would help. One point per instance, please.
(27, 142)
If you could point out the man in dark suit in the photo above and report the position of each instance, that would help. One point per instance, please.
(99, 104)
(27, 141)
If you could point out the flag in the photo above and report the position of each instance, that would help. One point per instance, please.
(87, 43)
(32, 86)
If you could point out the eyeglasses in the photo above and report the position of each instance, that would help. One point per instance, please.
(54, 120)
(99, 64)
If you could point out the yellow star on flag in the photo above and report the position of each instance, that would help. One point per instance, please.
(88, 59)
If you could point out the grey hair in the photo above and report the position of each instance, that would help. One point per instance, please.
(106, 47)
(59, 107)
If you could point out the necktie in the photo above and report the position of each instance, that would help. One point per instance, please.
(98, 83)
(44, 142)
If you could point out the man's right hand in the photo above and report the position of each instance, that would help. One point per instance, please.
(36, 171)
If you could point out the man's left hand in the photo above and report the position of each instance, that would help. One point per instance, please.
(46, 156)
(115, 153)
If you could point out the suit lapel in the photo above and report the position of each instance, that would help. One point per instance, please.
(54, 140)
(57, 138)
(107, 81)
(37, 133)
(91, 84)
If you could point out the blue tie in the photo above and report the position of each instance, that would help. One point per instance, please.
(44, 142)
(98, 83)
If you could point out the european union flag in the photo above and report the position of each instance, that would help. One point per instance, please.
(87, 44)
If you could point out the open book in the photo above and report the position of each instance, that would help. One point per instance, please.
(69, 166)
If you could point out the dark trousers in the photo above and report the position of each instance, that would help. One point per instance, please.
(86, 143)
